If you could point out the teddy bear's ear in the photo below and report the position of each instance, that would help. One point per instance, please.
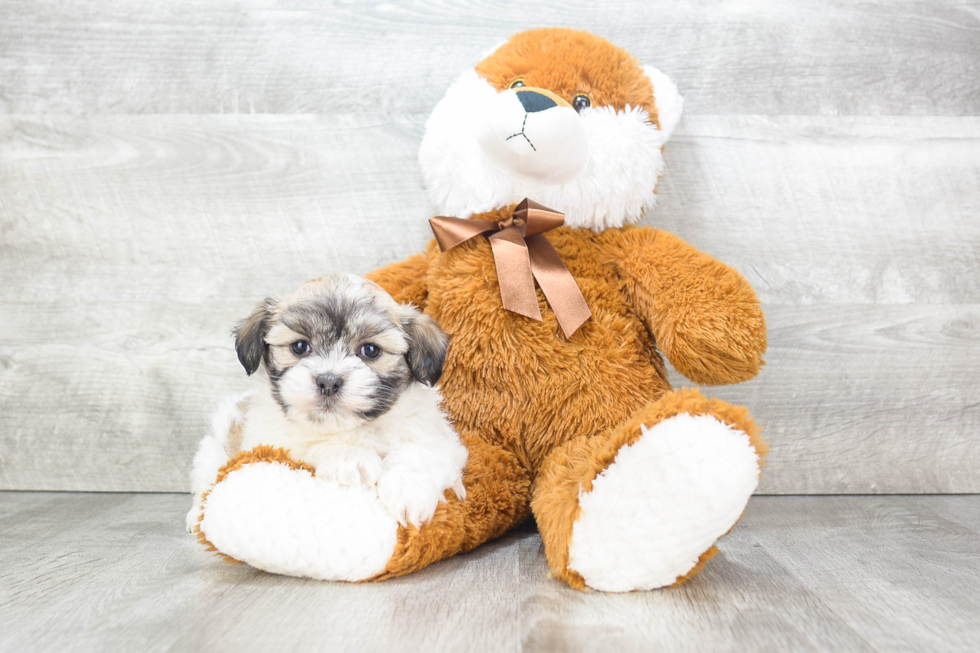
(669, 102)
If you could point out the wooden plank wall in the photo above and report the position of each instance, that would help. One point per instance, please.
(165, 165)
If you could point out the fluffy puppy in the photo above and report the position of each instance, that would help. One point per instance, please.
(348, 389)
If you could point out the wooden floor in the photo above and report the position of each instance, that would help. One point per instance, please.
(859, 573)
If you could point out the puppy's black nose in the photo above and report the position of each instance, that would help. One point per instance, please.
(329, 384)
(533, 101)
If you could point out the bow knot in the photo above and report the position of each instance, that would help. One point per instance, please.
(510, 222)
(522, 254)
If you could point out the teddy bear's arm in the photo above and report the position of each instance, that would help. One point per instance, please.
(704, 315)
(405, 280)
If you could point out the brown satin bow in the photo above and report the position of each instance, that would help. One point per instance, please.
(522, 254)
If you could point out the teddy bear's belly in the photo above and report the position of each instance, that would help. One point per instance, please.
(520, 383)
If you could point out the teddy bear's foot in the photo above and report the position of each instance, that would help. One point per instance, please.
(663, 502)
(647, 502)
(273, 513)
(277, 516)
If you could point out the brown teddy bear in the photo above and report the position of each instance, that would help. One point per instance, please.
(564, 404)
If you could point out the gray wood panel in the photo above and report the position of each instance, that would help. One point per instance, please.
(868, 399)
(830, 151)
(907, 57)
(832, 210)
(131, 245)
(117, 572)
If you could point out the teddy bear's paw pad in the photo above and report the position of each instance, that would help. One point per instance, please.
(286, 521)
(663, 502)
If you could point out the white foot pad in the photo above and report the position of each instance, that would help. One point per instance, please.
(288, 522)
(662, 503)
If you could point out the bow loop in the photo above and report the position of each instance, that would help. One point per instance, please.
(522, 254)
(537, 218)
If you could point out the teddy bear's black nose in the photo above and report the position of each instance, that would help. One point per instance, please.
(532, 101)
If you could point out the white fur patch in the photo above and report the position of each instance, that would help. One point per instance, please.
(614, 187)
(662, 503)
(287, 522)
(669, 102)
(214, 451)
(414, 444)
(550, 146)
(299, 391)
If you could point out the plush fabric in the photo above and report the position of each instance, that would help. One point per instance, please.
(631, 482)
(564, 408)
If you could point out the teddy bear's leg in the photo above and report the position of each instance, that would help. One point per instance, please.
(498, 494)
(273, 513)
(642, 505)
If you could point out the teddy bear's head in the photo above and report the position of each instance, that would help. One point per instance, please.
(561, 116)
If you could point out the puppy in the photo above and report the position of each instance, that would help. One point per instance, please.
(348, 389)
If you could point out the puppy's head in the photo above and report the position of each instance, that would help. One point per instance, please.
(339, 351)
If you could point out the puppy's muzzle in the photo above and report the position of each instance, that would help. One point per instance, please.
(329, 384)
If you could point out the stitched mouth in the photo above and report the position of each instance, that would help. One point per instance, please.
(523, 135)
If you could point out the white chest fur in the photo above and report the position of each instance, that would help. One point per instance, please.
(415, 418)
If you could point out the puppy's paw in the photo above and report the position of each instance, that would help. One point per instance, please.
(411, 497)
(351, 466)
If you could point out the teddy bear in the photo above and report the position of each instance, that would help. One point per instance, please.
(560, 392)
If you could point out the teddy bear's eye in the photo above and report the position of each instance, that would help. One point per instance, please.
(581, 102)
(517, 83)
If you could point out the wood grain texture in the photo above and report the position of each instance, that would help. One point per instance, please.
(835, 211)
(868, 399)
(831, 152)
(908, 57)
(884, 545)
(799, 574)
(132, 244)
(117, 572)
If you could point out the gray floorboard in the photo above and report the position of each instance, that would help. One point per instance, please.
(857, 573)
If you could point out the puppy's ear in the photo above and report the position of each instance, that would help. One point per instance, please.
(250, 336)
(427, 345)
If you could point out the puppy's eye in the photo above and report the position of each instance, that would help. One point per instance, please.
(581, 102)
(517, 83)
(300, 348)
(370, 351)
